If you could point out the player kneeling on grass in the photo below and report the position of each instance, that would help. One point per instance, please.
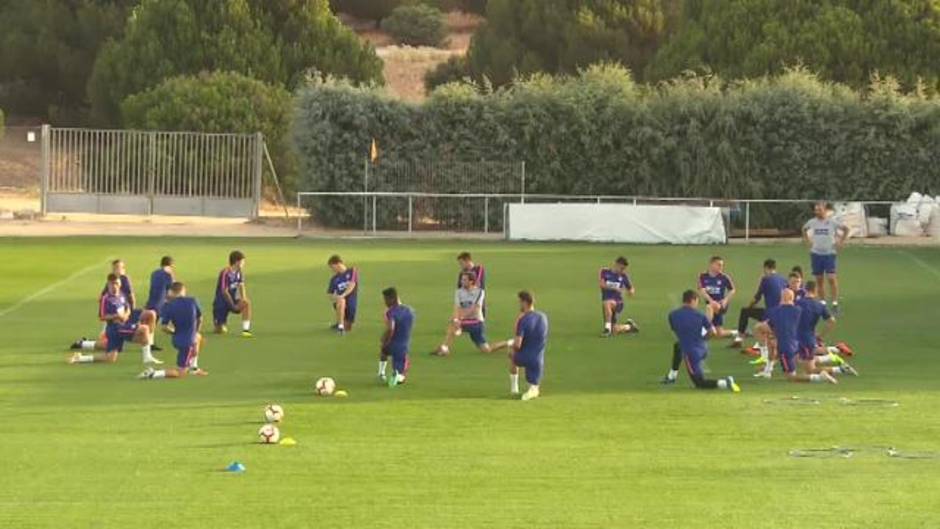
(717, 288)
(614, 283)
(396, 340)
(181, 317)
(814, 354)
(468, 317)
(692, 328)
(783, 322)
(344, 292)
(231, 295)
(528, 347)
(121, 324)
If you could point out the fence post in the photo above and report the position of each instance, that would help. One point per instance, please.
(374, 199)
(410, 211)
(365, 199)
(259, 155)
(152, 170)
(522, 200)
(300, 216)
(44, 168)
(486, 214)
(747, 220)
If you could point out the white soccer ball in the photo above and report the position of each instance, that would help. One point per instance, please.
(273, 413)
(269, 434)
(325, 386)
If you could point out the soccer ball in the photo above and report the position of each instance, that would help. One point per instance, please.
(269, 434)
(325, 386)
(273, 413)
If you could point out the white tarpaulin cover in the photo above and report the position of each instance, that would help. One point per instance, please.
(616, 223)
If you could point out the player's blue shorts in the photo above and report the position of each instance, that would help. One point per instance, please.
(617, 309)
(823, 264)
(185, 353)
(787, 359)
(117, 334)
(476, 330)
(718, 320)
(693, 363)
(808, 346)
(220, 312)
(352, 303)
(400, 360)
(533, 363)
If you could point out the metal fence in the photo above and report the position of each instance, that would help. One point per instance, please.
(485, 213)
(151, 172)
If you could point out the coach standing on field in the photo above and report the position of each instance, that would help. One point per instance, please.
(825, 235)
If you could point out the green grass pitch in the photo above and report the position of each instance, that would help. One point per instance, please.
(606, 446)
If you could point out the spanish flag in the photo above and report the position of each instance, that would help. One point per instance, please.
(374, 152)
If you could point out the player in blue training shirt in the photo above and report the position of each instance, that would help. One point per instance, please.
(770, 287)
(231, 296)
(813, 354)
(396, 340)
(465, 261)
(344, 292)
(717, 289)
(468, 317)
(528, 347)
(161, 280)
(783, 322)
(614, 283)
(121, 324)
(181, 317)
(119, 268)
(691, 328)
(795, 283)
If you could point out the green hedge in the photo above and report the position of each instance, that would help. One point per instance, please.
(219, 102)
(791, 136)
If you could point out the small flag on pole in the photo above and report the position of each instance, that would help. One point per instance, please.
(374, 151)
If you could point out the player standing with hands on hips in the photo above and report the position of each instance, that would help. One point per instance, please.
(825, 235)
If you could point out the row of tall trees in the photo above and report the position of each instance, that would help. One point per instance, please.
(846, 41)
(75, 61)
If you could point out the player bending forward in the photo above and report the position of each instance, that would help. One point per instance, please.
(344, 293)
(528, 347)
(691, 328)
(396, 340)
(717, 288)
(814, 355)
(468, 317)
(121, 324)
(181, 317)
(782, 323)
(614, 283)
(231, 295)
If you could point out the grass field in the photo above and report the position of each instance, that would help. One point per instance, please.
(606, 446)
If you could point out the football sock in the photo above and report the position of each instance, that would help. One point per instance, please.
(340, 326)
(769, 366)
(826, 359)
(722, 383)
(246, 325)
(815, 378)
(444, 349)
(86, 359)
(382, 365)
(832, 350)
(673, 374)
(514, 383)
(159, 373)
(764, 351)
(836, 371)
(145, 352)
(607, 326)
(195, 363)
(734, 334)
(88, 345)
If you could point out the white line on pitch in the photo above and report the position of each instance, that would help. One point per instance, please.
(923, 264)
(50, 288)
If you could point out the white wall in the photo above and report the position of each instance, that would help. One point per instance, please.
(616, 223)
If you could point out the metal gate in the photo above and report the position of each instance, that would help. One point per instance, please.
(151, 172)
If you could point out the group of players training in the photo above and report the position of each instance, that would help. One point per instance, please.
(180, 315)
(786, 331)
(787, 324)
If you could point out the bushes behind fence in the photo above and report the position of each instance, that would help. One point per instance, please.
(791, 136)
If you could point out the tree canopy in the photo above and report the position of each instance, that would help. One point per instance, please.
(275, 41)
(841, 40)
